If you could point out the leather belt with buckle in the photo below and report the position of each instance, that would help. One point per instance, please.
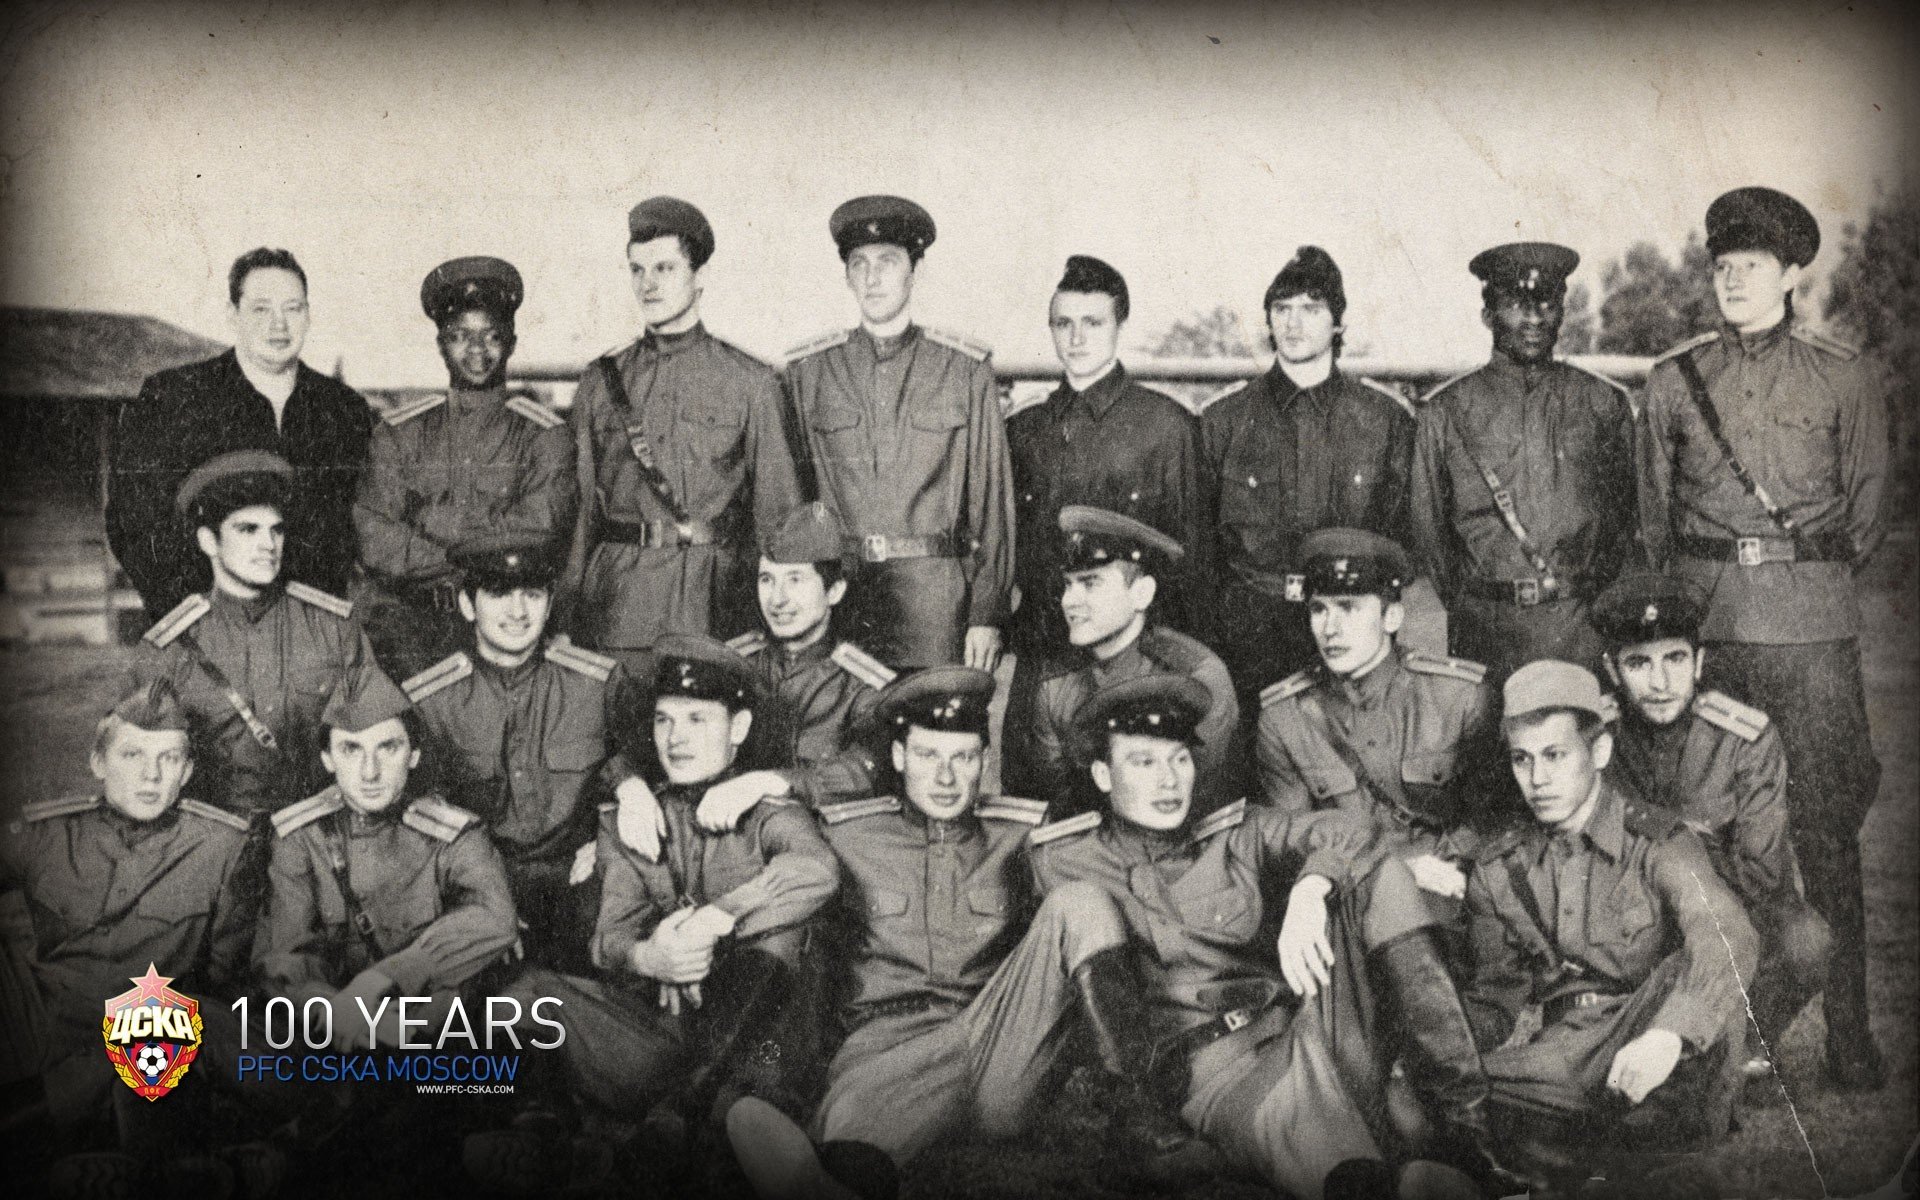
(441, 596)
(1560, 1006)
(1827, 546)
(1522, 593)
(658, 533)
(879, 548)
(1194, 1040)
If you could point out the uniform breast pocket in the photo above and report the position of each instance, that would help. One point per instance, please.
(716, 426)
(1227, 913)
(1632, 918)
(885, 903)
(989, 907)
(1249, 495)
(937, 424)
(1328, 784)
(1803, 445)
(1430, 769)
(309, 695)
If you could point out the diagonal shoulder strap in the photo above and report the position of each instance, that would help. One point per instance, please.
(1510, 515)
(1710, 416)
(255, 726)
(650, 473)
(357, 916)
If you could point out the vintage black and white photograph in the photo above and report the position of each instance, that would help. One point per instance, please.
(863, 601)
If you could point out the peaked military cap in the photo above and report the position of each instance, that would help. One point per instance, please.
(1086, 273)
(1646, 607)
(1354, 562)
(1311, 271)
(230, 482)
(667, 216)
(867, 220)
(1759, 218)
(363, 701)
(938, 698)
(808, 533)
(1096, 536)
(152, 706)
(500, 562)
(1550, 683)
(1529, 268)
(460, 284)
(1161, 706)
(702, 668)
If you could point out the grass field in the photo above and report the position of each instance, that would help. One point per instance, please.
(50, 698)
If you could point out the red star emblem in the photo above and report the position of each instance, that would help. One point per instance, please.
(150, 986)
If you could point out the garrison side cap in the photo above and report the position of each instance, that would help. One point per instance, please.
(154, 707)
(1085, 273)
(808, 533)
(1311, 271)
(363, 701)
(477, 281)
(1551, 683)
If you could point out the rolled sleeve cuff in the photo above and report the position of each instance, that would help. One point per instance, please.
(1692, 1021)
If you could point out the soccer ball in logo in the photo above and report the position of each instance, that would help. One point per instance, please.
(151, 1061)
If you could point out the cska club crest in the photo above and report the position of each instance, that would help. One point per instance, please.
(152, 1034)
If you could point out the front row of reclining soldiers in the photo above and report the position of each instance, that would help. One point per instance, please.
(762, 959)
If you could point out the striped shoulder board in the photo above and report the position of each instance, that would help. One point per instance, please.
(862, 666)
(402, 413)
(1012, 808)
(597, 667)
(437, 819)
(1609, 380)
(319, 599)
(1392, 393)
(1692, 343)
(839, 814)
(1724, 712)
(748, 644)
(1287, 689)
(177, 622)
(825, 341)
(533, 410)
(1651, 821)
(1819, 339)
(201, 808)
(1221, 821)
(297, 816)
(1067, 828)
(976, 350)
(1507, 838)
(1439, 664)
(66, 806)
(445, 673)
(1433, 393)
(1231, 389)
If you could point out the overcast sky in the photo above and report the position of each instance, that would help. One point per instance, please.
(146, 145)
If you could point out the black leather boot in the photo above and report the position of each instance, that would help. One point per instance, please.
(1442, 1061)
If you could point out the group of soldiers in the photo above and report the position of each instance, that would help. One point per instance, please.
(677, 708)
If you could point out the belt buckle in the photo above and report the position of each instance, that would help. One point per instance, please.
(1526, 592)
(873, 548)
(1237, 1020)
(1746, 551)
(1586, 999)
(1296, 588)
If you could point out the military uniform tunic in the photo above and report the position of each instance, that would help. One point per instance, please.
(1061, 776)
(716, 427)
(820, 697)
(283, 653)
(1559, 441)
(909, 450)
(1287, 461)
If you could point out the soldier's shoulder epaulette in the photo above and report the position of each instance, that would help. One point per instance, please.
(837, 814)
(743, 356)
(862, 666)
(1819, 339)
(748, 644)
(1440, 664)
(319, 599)
(437, 819)
(177, 622)
(1692, 343)
(46, 810)
(825, 341)
(536, 412)
(1288, 688)
(1433, 393)
(1392, 393)
(1611, 382)
(1054, 832)
(1221, 821)
(1650, 821)
(1724, 712)
(1027, 404)
(1230, 390)
(201, 808)
(976, 350)
(298, 816)
(1013, 808)
(597, 667)
(1503, 840)
(448, 671)
(400, 414)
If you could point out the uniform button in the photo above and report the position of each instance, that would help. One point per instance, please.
(1133, 495)
(1252, 482)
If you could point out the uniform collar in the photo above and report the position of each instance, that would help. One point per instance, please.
(510, 677)
(1284, 390)
(133, 833)
(248, 612)
(477, 399)
(1098, 396)
(884, 348)
(1606, 829)
(1506, 370)
(1758, 345)
(1153, 845)
(1128, 656)
(363, 822)
(806, 655)
(1370, 689)
(962, 828)
(666, 345)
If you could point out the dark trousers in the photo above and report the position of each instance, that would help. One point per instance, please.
(1795, 949)
(1817, 700)
(1262, 639)
(909, 612)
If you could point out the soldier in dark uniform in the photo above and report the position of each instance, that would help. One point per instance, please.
(1718, 764)
(1288, 1091)
(908, 448)
(1763, 467)
(253, 659)
(440, 469)
(685, 450)
(1111, 567)
(1523, 504)
(519, 731)
(113, 882)
(1608, 913)
(955, 1018)
(256, 396)
(1404, 740)
(1300, 448)
(1099, 439)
